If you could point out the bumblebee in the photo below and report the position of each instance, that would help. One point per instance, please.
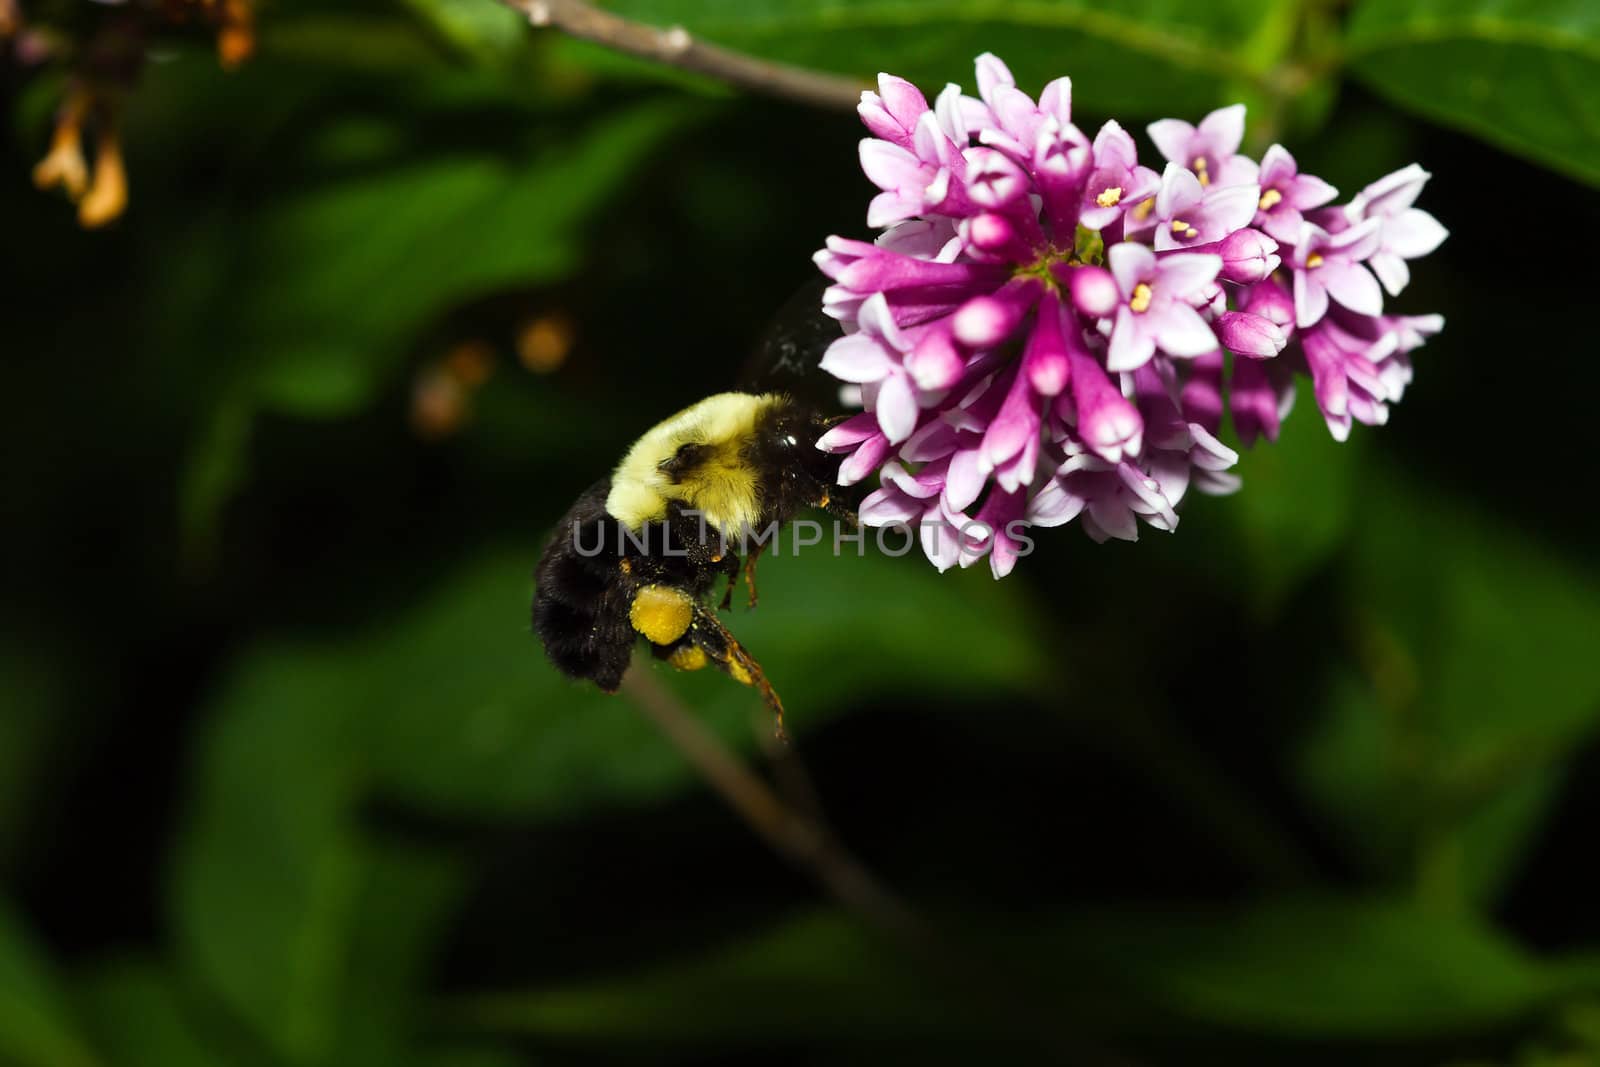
(639, 554)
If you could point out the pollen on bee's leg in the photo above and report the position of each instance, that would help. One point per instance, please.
(661, 613)
(689, 658)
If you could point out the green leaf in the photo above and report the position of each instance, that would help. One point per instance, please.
(346, 238)
(269, 870)
(452, 704)
(307, 928)
(343, 274)
(460, 709)
(215, 469)
(142, 1017)
(38, 715)
(817, 978)
(1149, 57)
(1472, 679)
(36, 1029)
(1522, 74)
(1330, 967)
(1294, 513)
(1316, 968)
(482, 31)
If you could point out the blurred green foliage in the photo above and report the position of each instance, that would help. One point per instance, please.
(285, 780)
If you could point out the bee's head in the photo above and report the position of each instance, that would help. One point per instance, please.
(702, 458)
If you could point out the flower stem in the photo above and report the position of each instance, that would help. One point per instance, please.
(807, 842)
(676, 47)
(802, 839)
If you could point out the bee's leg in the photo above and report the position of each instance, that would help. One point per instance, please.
(838, 508)
(718, 645)
(750, 572)
(729, 566)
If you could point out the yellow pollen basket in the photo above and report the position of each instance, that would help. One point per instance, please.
(689, 658)
(1271, 199)
(661, 613)
(1313, 261)
(1110, 197)
(1140, 300)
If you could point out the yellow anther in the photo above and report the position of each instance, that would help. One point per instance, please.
(1142, 212)
(1314, 260)
(1140, 300)
(1110, 197)
(1271, 199)
(1199, 166)
(1183, 229)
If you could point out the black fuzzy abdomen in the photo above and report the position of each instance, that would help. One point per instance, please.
(580, 605)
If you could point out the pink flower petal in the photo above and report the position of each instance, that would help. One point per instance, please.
(1130, 263)
(1131, 346)
(1181, 332)
(1308, 191)
(992, 73)
(964, 481)
(1185, 275)
(1223, 130)
(1391, 271)
(1278, 167)
(1056, 99)
(888, 208)
(1390, 194)
(888, 166)
(857, 358)
(1231, 207)
(1352, 285)
(902, 99)
(888, 506)
(865, 459)
(1310, 299)
(1413, 233)
(1172, 138)
(897, 407)
(1053, 506)
(1180, 191)
(849, 433)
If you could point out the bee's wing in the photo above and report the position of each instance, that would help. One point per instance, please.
(787, 358)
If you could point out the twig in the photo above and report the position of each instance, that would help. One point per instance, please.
(806, 842)
(676, 47)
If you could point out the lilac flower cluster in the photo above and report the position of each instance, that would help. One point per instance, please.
(1038, 333)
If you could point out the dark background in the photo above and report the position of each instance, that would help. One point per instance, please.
(285, 779)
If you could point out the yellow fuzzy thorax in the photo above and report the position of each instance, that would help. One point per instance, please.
(723, 487)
